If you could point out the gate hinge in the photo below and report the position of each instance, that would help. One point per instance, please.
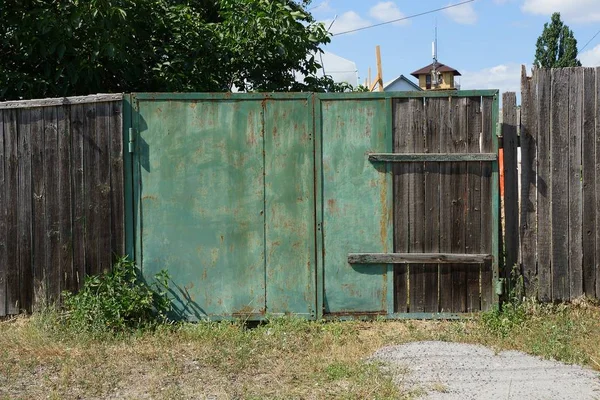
(499, 286)
(131, 139)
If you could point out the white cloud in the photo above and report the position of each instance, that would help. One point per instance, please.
(387, 11)
(506, 77)
(464, 14)
(346, 22)
(322, 8)
(590, 58)
(570, 10)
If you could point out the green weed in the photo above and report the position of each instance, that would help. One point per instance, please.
(117, 301)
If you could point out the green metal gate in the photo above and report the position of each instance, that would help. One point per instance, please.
(270, 204)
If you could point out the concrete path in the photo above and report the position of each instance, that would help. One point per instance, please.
(445, 371)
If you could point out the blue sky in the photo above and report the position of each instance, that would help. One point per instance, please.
(486, 40)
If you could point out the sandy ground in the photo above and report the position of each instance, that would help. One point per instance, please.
(441, 370)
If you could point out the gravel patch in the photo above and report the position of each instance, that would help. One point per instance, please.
(441, 370)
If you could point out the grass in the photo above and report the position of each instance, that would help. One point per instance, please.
(285, 358)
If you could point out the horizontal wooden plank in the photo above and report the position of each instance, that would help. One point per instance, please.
(59, 101)
(420, 258)
(433, 157)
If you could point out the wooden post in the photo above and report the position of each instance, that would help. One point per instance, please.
(379, 78)
(379, 70)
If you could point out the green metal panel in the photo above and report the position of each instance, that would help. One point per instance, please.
(290, 213)
(356, 213)
(201, 203)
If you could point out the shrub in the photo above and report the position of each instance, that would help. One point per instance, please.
(118, 301)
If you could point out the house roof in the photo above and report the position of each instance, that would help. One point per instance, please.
(440, 67)
(402, 78)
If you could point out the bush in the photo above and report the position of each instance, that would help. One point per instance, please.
(118, 301)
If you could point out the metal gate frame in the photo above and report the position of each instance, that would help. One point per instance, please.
(132, 205)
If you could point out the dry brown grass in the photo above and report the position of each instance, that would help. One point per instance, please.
(286, 358)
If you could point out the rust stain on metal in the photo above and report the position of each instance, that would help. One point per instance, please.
(383, 223)
(332, 206)
(149, 197)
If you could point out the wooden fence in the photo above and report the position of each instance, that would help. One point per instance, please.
(559, 211)
(61, 195)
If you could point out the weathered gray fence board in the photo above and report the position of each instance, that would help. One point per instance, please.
(528, 223)
(432, 205)
(51, 234)
(39, 200)
(65, 237)
(543, 79)
(43, 209)
(24, 208)
(597, 171)
(116, 177)
(487, 132)
(589, 183)
(77, 146)
(459, 199)
(511, 196)
(575, 181)
(473, 206)
(560, 180)
(3, 248)
(401, 187)
(102, 189)
(12, 262)
(445, 278)
(417, 206)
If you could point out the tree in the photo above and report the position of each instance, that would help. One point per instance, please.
(557, 46)
(76, 47)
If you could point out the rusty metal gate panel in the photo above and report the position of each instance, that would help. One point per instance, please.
(223, 201)
(356, 204)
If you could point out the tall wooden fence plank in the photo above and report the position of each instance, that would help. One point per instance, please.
(402, 142)
(11, 178)
(459, 200)
(90, 198)
(560, 187)
(24, 209)
(38, 172)
(3, 237)
(417, 206)
(64, 200)
(487, 294)
(446, 208)
(432, 205)
(51, 186)
(589, 183)
(77, 113)
(528, 222)
(597, 155)
(117, 205)
(102, 189)
(575, 182)
(543, 80)
(511, 196)
(473, 204)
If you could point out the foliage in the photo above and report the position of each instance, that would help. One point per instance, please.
(557, 46)
(75, 47)
(117, 301)
(362, 88)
